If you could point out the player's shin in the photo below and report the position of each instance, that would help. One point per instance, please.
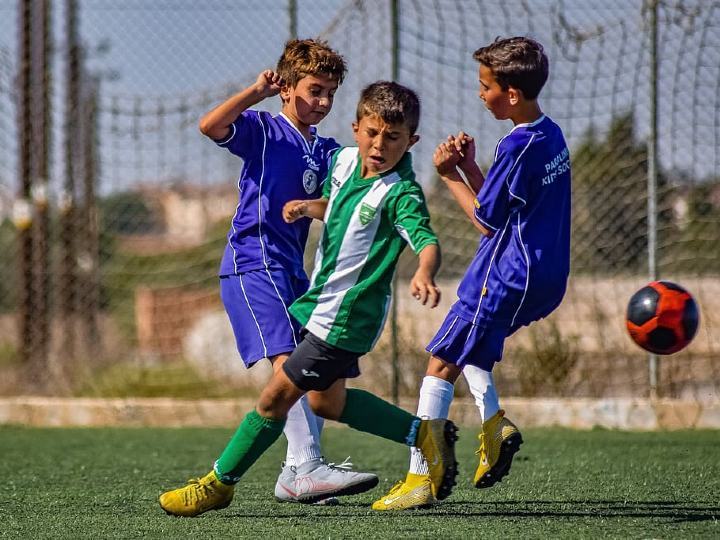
(255, 435)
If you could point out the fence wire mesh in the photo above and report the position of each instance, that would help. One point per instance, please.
(114, 209)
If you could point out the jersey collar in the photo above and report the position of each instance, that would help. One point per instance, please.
(309, 147)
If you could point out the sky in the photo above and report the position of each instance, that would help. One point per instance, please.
(163, 63)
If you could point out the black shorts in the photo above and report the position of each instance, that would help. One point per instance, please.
(316, 365)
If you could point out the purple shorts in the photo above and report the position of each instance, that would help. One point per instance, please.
(460, 342)
(256, 303)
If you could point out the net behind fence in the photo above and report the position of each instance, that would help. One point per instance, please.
(109, 249)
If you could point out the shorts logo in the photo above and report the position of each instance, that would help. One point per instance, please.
(367, 213)
(310, 181)
(308, 373)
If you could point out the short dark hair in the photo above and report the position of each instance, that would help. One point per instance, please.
(303, 57)
(519, 62)
(393, 102)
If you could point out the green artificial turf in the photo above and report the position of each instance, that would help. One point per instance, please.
(104, 483)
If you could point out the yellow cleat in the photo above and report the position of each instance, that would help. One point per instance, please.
(436, 440)
(200, 495)
(499, 441)
(414, 492)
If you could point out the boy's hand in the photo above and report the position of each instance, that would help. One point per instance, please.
(294, 210)
(465, 146)
(423, 288)
(446, 157)
(268, 83)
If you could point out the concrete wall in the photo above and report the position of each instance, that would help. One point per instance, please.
(625, 414)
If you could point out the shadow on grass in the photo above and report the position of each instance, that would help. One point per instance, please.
(675, 512)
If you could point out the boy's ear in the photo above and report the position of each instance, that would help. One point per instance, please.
(514, 95)
(355, 127)
(285, 93)
(413, 139)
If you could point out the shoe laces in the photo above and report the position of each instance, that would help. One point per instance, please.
(345, 466)
(397, 487)
(197, 490)
(481, 451)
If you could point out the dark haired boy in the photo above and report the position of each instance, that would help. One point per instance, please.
(520, 270)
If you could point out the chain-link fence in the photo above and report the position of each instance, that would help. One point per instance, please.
(114, 209)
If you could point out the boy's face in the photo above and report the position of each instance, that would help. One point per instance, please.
(381, 145)
(311, 99)
(498, 101)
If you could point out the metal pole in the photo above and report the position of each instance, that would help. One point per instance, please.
(40, 136)
(394, 349)
(653, 361)
(293, 13)
(91, 242)
(23, 213)
(68, 286)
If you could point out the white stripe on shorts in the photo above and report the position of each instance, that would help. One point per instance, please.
(446, 335)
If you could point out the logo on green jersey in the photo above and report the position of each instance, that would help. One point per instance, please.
(367, 213)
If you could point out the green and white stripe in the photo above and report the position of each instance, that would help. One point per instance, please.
(349, 294)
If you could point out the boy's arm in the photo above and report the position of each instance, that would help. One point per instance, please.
(216, 123)
(314, 208)
(446, 159)
(422, 285)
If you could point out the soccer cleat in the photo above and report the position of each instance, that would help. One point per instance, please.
(436, 440)
(197, 497)
(285, 488)
(316, 480)
(414, 492)
(499, 441)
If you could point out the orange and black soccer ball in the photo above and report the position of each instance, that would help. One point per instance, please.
(662, 317)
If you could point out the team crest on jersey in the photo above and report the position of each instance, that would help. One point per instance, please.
(367, 213)
(310, 181)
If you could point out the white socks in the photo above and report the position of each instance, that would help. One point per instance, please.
(435, 398)
(302, 430)
(482, 386)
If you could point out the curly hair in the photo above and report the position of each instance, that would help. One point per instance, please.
(303, 57)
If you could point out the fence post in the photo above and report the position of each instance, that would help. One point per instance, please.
(293, 13)
(23, 212)
(394, 351)
(653, 361)
(67, 297)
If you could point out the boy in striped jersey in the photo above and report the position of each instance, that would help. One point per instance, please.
(520, 270)
(371, 207)
(262, 272)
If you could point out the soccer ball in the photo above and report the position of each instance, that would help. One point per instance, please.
(662, 317)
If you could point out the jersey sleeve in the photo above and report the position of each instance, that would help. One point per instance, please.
(505, 187)
(246, 135)
(412, 219)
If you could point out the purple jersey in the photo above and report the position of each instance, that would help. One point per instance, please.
(279, 165)
(520, 274)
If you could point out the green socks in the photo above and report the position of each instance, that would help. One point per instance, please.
(367, 412)
(255, 435)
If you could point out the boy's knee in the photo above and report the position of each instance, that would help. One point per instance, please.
(443, 370)
(278, 397)
(324, 405)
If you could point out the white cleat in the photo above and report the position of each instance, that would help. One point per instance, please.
(316, 480)
(285, 488)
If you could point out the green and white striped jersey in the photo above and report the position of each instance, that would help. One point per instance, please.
(367, 225)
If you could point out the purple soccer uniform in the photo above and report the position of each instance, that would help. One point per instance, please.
(262, 267)
(518, 275)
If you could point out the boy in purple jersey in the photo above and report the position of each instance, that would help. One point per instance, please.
(261, 272)
(520, 270)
